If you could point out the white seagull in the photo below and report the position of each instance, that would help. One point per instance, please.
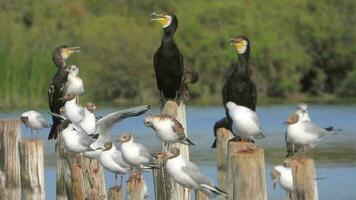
(72, 111)
(88, 122)
(283, 176)
(188, 174)
(167, 129)
(34, 120)
(245, 122)
(135, 154)
(111, 159)
(74, 82)
(306, 133)
(105, 124)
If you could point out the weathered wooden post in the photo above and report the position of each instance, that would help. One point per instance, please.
(200, 196)
(223, 136)
(116, 193)
(77, 183)
(246, 174)
(305, 185)
(64, 190)
(2, 183)
(32, 169)
(10, 134)
(165, 188)
(135, 189)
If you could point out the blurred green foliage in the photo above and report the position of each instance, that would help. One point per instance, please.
(299, 48)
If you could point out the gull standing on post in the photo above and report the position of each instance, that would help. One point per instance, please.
(188, 174)
(57, 87)
(74, 82)
(34, 120)
(283, 176)
(167, 129)
(72, 111)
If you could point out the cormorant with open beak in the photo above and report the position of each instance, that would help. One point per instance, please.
(238, 87)
(168, 61)
(57, 87)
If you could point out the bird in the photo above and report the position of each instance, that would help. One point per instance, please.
(136, 154)
(283, 176)
(168, 61)
(292, 148)
(245, 122)
(72, 111)
(34, 120)
(167, 129)
(75, 138)
(111, 159)
(306, 133)
(238, 87)
(188, 174)
(88, 122)
(57, 87)
(105, 124)
(74, 82)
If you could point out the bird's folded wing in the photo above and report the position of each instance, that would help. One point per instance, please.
(311, 128)
(193, 171)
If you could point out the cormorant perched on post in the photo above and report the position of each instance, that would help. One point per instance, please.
(57, 87)
(238, 88)
(168, 61)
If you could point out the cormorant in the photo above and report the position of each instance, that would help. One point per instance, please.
(238, 88)
(168, 61)
(57, 87)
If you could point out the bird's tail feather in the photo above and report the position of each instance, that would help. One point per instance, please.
(187, 141)
(215, 190)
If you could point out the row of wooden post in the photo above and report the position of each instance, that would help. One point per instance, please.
(22, 171)
(242, 174)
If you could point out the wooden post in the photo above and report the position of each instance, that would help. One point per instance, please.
(165, 188)
(200, 195)
(32, 169)
(247, 172)
(135, 189)
(305, 185)
(78, 184)
(2, 183)
(115, 193)
(10, 134)
(223, 135)
(64, 189)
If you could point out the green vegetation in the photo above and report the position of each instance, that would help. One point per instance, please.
(300, 49)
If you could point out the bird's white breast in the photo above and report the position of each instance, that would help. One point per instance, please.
(298, 135)
(165, 131)
(88, 123)
(174, 169)
(108, 162)
(75, 85)
(73, 112)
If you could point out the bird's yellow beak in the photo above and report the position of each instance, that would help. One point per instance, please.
(70, 50)
(160, 18)
(239, 44)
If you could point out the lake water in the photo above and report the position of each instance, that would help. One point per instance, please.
(335, 158)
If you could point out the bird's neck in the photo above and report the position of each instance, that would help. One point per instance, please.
(167, 39)
(59, 62)
(241, 68)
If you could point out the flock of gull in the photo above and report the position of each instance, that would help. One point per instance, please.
(87, 134)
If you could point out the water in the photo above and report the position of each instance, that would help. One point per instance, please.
(335, 158)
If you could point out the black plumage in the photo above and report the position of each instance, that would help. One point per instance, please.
(168, 61)
(57, 87)
(238, 88)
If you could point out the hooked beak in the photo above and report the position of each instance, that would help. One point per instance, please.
(70, 50)
(158, 17)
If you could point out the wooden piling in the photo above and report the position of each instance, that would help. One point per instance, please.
(223, 136)
(305, 185)
(246, 174)
(77, 182)
(135, 189)
(115, 193)
(10, 134)
(32, 169)
(165, 188)
(64, 190)
(200, 195)
(2, 183)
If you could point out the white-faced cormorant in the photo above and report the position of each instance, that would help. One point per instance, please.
(238, 87)
(57, 87)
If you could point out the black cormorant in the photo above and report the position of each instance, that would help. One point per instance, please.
(238, 87)
(57, 87)
(168, 61)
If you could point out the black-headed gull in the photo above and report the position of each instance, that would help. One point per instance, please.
(34, 120)
(283, 176)
(74, 82)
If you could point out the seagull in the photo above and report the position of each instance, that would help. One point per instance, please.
(282, 175)
(104, 125)
(111, 159)
(167, 129)
(302, 110)
(34, 120)
(76, 139)
(72, 111)
(245, 122)
(74, 82)
(135, 154)
(306, 133)
(188, 174)
(88, 123)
